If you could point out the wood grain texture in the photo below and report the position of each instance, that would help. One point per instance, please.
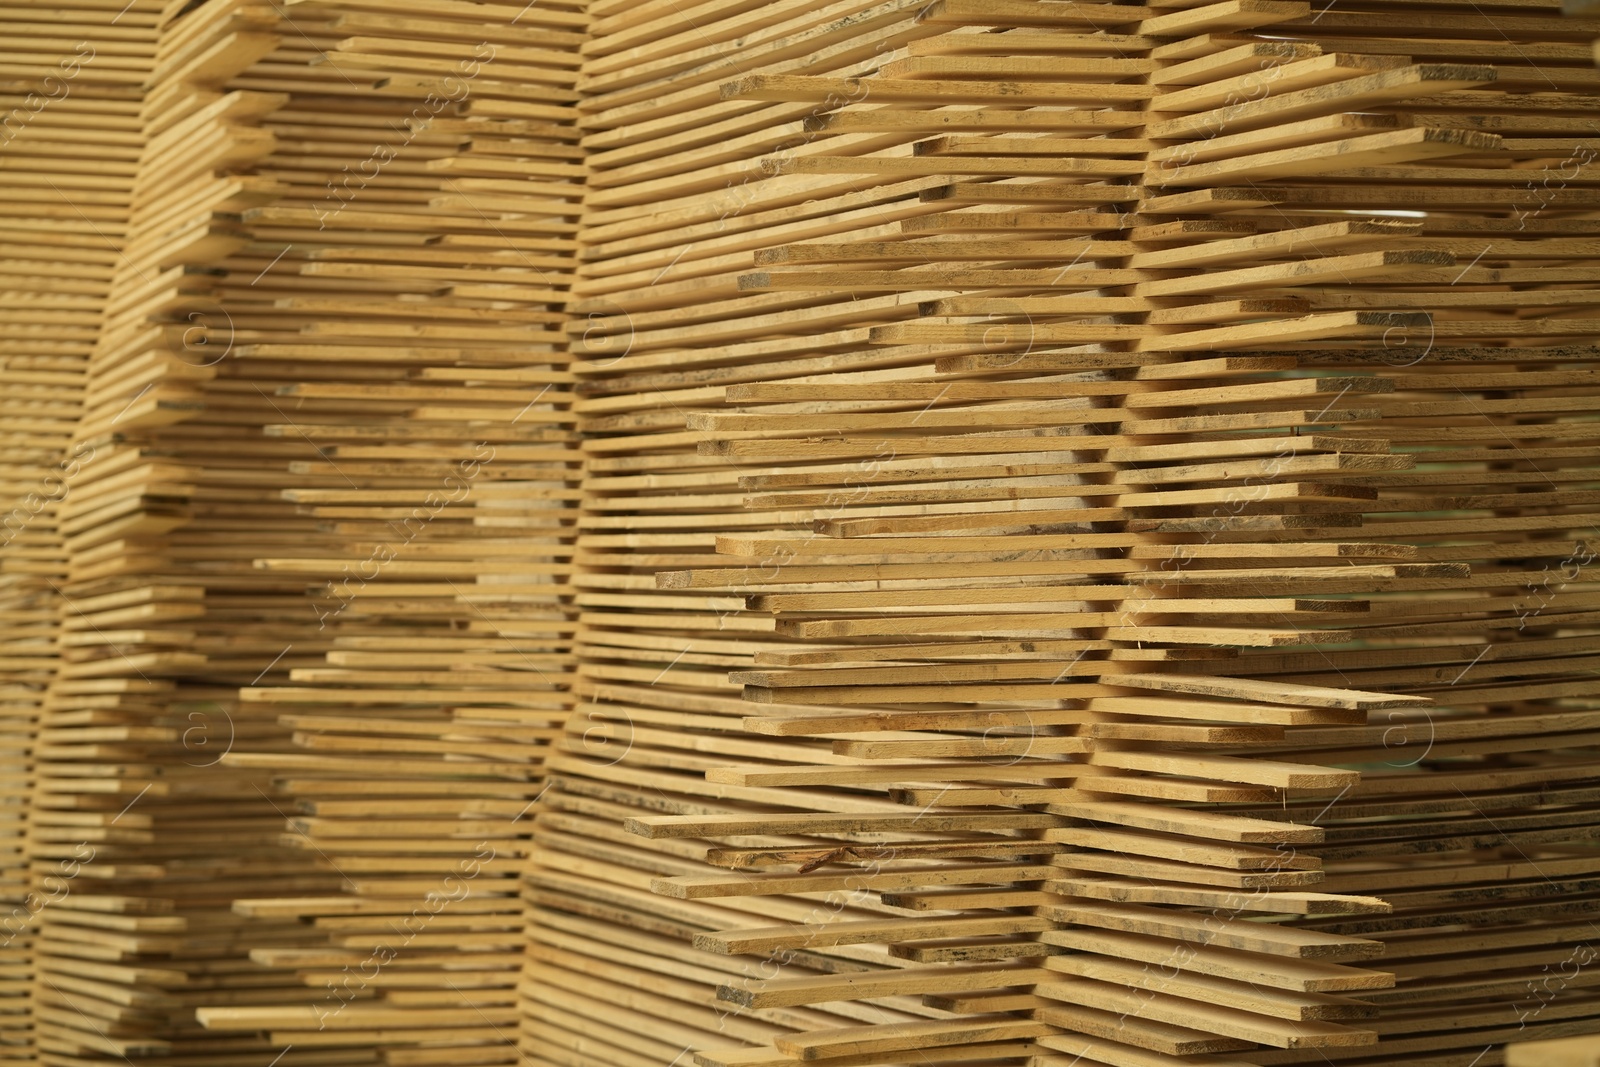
(1006, 532)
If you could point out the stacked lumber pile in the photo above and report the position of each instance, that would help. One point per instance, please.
(1582, 1051)
(399, 346)
(676, 203)
(1109, 444)
(69, 144)
(312, 587)
(1476, 821)
(149, 839)
(637, 532)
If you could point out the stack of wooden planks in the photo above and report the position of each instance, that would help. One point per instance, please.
(677, 201)
(312, 588)
(398, 343)
(69, 145)
(638, 532)
(145, 838)
(246, 357)
(1110, 445)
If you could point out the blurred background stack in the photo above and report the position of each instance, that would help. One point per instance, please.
(69, 148)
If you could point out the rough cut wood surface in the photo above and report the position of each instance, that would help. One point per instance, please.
(647, 532)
